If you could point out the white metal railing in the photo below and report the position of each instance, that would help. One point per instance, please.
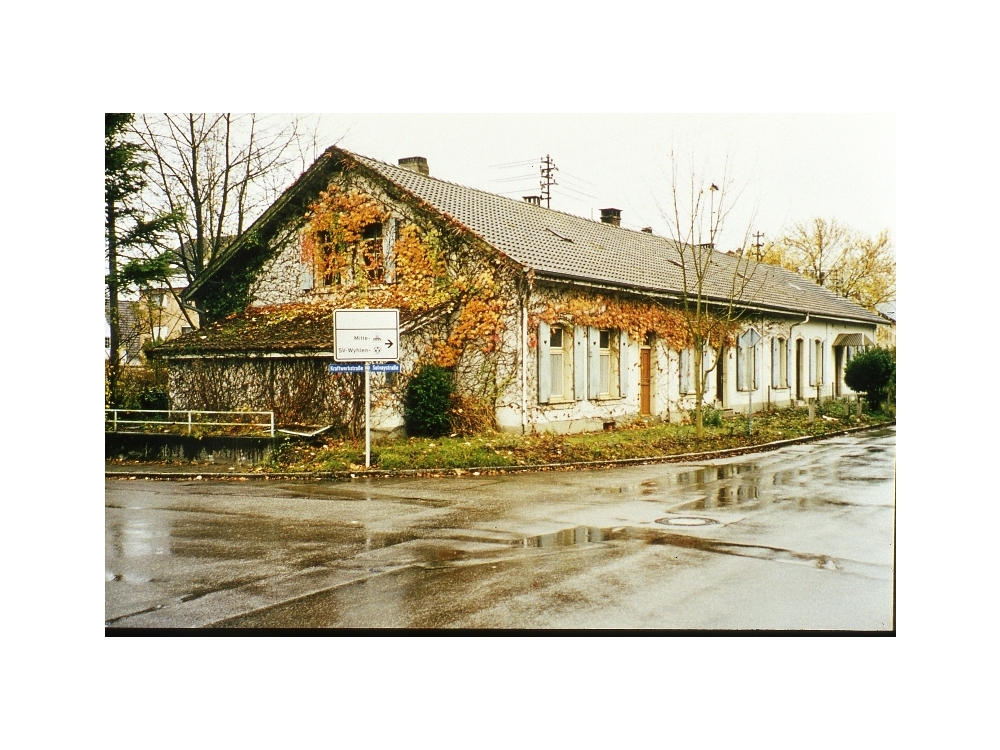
(192, 418)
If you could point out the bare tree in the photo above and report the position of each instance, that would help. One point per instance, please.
(848, 263)
(716, 285)
(218, 172)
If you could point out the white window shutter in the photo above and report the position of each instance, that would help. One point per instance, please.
(822, 363)
(788, 362)
(306, 279)
(685, 365)
(812, 362)
(544, 363)
(756, 351)
(593, 362)
(579, 362)
(623, 364)
(388, 253)
(741, 366)
(775, 363)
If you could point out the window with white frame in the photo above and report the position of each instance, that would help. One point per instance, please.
(561, 364)
(607, 366)
(557, 363)
(605, 363)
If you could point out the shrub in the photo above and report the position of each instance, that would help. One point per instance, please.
(428, 399)
(471, 416)
(154, 397)
(871, 373)
(709, 417)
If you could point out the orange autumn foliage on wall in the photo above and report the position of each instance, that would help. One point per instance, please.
(637, 318)
(429, 271)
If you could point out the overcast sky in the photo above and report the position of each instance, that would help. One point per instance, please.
(793, 167)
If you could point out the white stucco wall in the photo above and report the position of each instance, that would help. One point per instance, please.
(668, 403)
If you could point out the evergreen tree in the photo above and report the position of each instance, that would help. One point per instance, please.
(126, 227)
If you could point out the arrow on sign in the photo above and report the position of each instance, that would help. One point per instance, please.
(388, 343)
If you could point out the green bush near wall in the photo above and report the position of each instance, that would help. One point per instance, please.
(872, 373)
(428, 398)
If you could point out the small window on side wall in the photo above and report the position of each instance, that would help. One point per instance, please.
(372, 253)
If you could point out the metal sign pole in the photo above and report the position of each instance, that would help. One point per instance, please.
(368, 412)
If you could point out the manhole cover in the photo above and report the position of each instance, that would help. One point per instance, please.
(686, 521)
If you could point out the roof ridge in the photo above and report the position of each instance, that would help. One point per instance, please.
(498, 195)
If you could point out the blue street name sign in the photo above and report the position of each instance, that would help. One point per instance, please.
(374, 367)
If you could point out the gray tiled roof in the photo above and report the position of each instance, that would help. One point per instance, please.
(570, 247)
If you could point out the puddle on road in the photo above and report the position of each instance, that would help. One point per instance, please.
(583, 535)
(568, 537)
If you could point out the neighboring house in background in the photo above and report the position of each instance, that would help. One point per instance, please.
(162, 317)
(153, 318)
(886, 334)
(558, 322)
(129, 333)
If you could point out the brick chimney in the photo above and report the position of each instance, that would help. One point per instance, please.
(416, 164)
(611, 216)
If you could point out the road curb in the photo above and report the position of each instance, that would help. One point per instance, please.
(192, 475)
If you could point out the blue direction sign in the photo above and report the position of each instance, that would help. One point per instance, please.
(345, 368)
(385, 367)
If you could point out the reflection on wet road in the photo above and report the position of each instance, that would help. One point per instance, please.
(797, 538)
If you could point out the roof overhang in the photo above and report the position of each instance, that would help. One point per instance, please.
(677, 296)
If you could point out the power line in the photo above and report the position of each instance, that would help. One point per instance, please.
(512, 179)
(578, 192)
(512, 164)
(579, 179)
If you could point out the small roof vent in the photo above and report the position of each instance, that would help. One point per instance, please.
(534, 200)
(647, 230)
(416, 164)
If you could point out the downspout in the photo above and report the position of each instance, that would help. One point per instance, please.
(524, 367)
(800, 323)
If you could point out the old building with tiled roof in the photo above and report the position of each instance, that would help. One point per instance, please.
(557, 321)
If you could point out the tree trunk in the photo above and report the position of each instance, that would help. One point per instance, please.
(114, 365)
(699, 388)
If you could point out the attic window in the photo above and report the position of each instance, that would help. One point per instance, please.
(372, 253)
(563, 238)
(794, 287)
(676, 263)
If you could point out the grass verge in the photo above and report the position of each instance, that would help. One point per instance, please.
(637, 441)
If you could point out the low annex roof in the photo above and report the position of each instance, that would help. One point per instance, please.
(288, 330)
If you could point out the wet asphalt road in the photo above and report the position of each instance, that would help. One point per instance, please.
(800, 538)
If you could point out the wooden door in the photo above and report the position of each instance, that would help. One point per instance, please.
(644, 379)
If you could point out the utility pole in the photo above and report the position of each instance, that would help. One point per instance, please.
(711, 216)
(547, 167)
(759, 245)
